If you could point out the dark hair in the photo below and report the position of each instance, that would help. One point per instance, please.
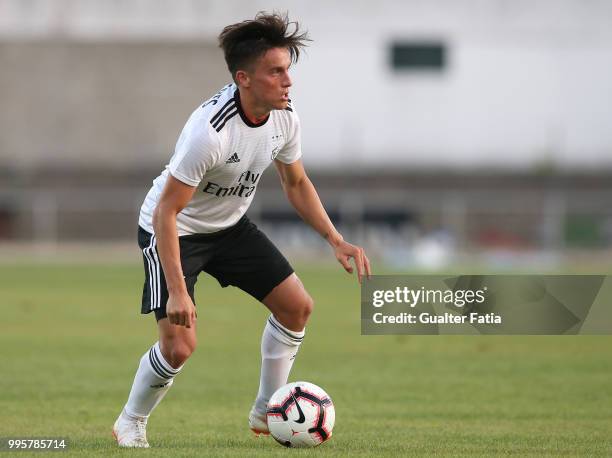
(246, 41)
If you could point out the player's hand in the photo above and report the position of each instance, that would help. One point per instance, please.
(344, 251)
(181, 310)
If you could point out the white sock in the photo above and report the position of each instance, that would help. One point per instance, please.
(279, 346)
(153, 379)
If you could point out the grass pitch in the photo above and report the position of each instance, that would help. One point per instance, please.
(71, 337)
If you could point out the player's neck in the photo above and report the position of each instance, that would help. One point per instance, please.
(254, 113)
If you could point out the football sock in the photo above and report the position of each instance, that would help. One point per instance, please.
(279, 346)
(153, 379)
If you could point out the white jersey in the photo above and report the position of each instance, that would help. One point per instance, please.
(223, 154)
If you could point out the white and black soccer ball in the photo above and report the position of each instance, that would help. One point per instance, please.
(301, 414)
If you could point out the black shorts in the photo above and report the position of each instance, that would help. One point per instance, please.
(240, 256)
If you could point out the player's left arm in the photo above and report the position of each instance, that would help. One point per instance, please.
(303, 196)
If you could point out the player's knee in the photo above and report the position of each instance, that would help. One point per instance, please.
(306, 308)
(180, 352)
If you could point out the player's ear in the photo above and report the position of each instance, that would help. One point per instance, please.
(242, 78)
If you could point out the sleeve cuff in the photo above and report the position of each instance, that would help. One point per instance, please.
(182, 178)
(291, 160)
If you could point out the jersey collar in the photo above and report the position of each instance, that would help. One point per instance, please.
(243, 116)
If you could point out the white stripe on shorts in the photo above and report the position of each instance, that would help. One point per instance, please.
(152, 276)
(157, 270)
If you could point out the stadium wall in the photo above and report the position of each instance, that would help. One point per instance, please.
(388, 210)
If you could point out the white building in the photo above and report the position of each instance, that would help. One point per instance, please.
(521, 83)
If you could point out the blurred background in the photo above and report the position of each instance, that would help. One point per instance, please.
(438, 133)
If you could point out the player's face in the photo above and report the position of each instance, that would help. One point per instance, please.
(269, 79)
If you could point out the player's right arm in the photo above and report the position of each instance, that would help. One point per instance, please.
(175, 196)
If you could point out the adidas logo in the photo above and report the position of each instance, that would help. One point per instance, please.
(233, 159)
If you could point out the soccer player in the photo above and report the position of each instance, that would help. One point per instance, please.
(193, 220)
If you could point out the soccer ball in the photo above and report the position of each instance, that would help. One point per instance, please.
(301, 414)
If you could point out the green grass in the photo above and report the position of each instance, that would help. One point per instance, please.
(71, 337)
